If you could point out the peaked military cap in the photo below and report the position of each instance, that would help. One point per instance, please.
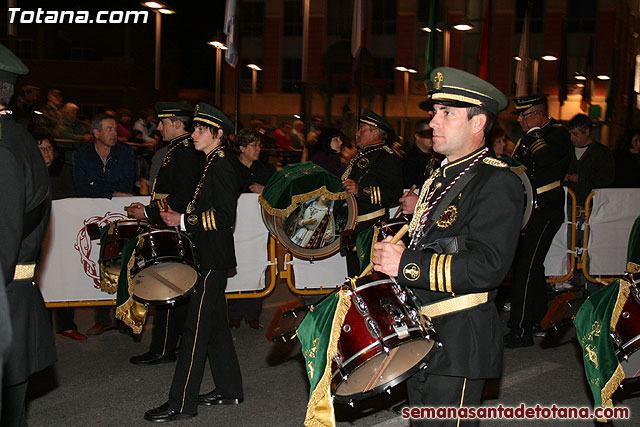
(370, 118)
(523, 103)
(10, 66)
(457, 88)
(173, 109)
(210, 115)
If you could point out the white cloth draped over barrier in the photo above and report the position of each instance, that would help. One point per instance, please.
(555, 263)
(69, 270)
(327, 273)
(612, 216)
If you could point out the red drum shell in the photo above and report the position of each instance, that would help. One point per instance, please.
(627, 335)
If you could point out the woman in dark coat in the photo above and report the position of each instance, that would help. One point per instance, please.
(326, 152)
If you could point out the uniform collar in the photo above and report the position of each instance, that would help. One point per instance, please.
(450, 169)
(179, 138)
(372, 146)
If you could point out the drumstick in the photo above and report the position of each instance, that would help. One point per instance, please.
(166, 282)
(380, 372)
(399, 211)
(399, 235)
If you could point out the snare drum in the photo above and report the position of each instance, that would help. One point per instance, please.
(165, 268)
(626, 336)
(120, 232)
(384, 340)
(391, 228)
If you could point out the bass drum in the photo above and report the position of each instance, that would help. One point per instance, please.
(626, 336)
(529, 192)
(122, 231)
(384, 340)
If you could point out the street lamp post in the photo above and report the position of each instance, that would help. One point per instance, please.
(406, 72)
(160, 9)
(535, 68)
(219, 48)
(254, 82)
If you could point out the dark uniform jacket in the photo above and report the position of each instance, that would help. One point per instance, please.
(212, 221)
(595, 169)
(25, 183)
(378, 172)
(545, 152)
(485, 215)
(414, 166)
(177, 178)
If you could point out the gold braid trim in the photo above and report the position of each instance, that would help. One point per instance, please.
(322, 392)
(108, 281)
(299, 198)
(632, 267)
(618, 375)
(132, 313)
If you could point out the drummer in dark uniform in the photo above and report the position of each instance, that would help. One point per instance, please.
(210, 217)
(374, 177)
(179, 173)
(25, 205)
(545, 151)
(464, 234)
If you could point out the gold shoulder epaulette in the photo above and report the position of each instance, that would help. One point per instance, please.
(221, 153)
(388, 149)
(494, 162)
(185, 142)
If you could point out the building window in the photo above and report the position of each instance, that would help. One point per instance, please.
(291, 75)
(581, 16)
(384, 70)
(385, 13)
(252, 18)
(293, 18)
(536, 15)
(339, 18)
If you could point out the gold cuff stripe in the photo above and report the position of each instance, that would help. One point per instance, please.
(440, 275)
(452, 97)
(447, 273)
(213, 220)
(379, 195)
(24, 271)
(204, 222)
(548, 187)
(453, 305)
(371, 215)
(432, 272)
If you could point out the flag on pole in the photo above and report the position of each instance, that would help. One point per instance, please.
(483, 53)
(562, 66)
(587, 89)
(231, 54)
(429, 49)
(319, 333)
(522, 70)
(358, 35)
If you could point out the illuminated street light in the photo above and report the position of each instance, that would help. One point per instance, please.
(425, 29)
(549, 58)
(580, 77)
(254, 82)
(160, 9)
(219, 48)
(406, 72)
(603, 77)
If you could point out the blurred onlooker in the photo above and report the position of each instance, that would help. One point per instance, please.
(316, 125)
(146, 125)
(297, 135)
(419, 161)
(69, 127)
(283, 136)
(61, 187)
(50, 116)
(591, 164)
(123, 117)
(327, 151)
(627, 158)
(497, 140)
(23, 111)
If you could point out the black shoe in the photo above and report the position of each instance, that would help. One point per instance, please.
(215, 398)
(514, 341)
(152, 359)
(163, 414)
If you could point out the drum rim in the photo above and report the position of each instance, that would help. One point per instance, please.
(346, 398)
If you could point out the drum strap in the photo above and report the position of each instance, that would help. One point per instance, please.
(454, 304)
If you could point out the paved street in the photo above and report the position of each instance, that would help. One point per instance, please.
(94, 384)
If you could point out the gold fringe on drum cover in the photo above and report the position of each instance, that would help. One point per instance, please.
(132, 313)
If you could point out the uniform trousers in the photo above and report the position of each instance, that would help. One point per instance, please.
(206, 334)
(528, 293)
(438, 391)
(167, 326)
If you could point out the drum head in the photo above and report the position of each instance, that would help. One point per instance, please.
(405, 361)
(529, 192)
(164, 283)
(312, 231)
